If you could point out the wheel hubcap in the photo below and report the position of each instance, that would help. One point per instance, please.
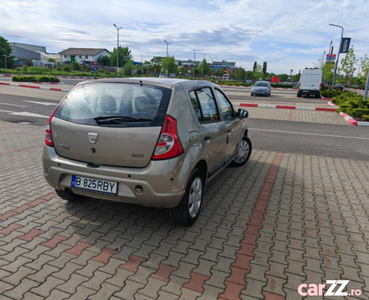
(195, 197)
(243, 152)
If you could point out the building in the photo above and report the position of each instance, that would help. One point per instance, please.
(82, 55)
(31, 54)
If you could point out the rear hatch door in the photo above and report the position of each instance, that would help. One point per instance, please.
(110, 123)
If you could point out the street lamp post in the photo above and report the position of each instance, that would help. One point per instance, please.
(194, 59)
(338, 56)
(118, 28)
(166, 61)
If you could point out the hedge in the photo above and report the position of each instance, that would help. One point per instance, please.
(353, 104)
(35, 79)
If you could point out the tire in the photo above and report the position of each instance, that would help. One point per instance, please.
(188, 210)
(244, 153)
(298, 95)
(69, 196)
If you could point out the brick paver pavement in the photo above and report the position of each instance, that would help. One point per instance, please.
(282, 220)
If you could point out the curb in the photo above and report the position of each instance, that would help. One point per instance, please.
(34, 87)
(47, 82)
(348, 118)
(249, 87)
(352, 121)
(287, 107)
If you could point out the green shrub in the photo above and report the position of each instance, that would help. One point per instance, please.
(33, 70)
(35, 79)
(353, 104)
(67, 68)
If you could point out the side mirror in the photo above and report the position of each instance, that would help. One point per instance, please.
(242, 113)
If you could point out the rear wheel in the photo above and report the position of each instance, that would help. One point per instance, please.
(69, 196)
(244, 152)
(188, 210)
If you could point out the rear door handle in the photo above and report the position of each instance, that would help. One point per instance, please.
(207, 137)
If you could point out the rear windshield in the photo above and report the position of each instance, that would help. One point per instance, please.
(115, 104)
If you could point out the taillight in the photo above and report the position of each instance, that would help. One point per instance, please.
(320, 87)
(48, 134)
(169, 145)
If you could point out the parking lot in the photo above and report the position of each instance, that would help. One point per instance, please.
(280, 227)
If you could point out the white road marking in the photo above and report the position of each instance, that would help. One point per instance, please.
(312, 134)
(42, 103)
(24, 113)
(16, 105)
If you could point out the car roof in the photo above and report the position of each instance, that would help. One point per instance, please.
(164, 82)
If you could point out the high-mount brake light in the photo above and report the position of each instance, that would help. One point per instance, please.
(169, 145)
(48, 134)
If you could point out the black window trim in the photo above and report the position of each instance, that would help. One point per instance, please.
(234, 112)
(198, 102)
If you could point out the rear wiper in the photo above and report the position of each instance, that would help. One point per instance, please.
(112, 119)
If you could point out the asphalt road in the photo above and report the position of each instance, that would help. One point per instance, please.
(282, 136)
(350, 142)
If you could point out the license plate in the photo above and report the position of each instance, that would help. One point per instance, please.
(94, 185)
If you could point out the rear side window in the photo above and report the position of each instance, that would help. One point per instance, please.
(204, 105)
(115, 104)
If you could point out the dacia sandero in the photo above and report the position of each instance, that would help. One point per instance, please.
(149, 141)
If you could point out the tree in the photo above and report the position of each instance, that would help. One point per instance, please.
(76, 66)
(264, 68)
(104, 61)
(220, 71)
(124, 56)
(364, 64)
(328, 70)
(154, 65)
(283, 77)
(258, 72)
(254, 67)
(130, 68)
(347, 63)
(249, 75)
(170, 65)
(5, 54)
(204, 70)
(239, 74)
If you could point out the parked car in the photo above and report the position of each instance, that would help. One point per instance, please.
(149, 141)
(261, 88)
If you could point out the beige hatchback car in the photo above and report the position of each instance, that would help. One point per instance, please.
(149, 141)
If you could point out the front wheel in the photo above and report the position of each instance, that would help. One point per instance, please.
(188, 210)
(244, 153)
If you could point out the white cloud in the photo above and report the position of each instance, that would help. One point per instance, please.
(286, 34)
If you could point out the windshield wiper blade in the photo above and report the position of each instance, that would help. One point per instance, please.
(119, 118)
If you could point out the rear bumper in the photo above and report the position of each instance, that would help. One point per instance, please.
(161, 182)
(309, 92)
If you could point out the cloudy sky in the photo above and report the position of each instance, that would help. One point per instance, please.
(287, 34)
